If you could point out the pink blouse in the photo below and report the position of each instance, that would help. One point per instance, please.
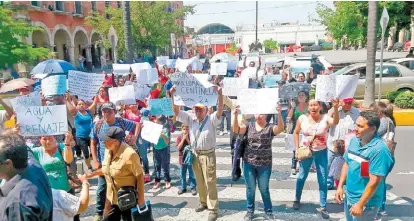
(319, 129)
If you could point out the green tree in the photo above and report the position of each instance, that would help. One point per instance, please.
(151, 22)
(271, 44)
(12, 49)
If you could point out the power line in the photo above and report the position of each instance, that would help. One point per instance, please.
(283, 6)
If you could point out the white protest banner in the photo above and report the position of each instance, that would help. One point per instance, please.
(189, 91)
(258, 101)
(203, 80)
(42, 120)
(249, 72)
(346, 86)
(171, 63)
(122, 95)
(218, 69)
(141, 91)
(325, 88)
(151, 131)
(84, 85)
(137, 67)
(162, 60)
(182, 64)
(121, 69)
(26, 101)
(196, 65)
(161, 106)
(54, 85)
(231, 86)
(147, 76)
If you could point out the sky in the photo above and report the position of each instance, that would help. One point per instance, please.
(226, 12)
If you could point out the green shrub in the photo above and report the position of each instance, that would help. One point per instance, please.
(392, 95)
(405, 100)
(327, 48)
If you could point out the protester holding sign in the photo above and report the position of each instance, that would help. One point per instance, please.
(257, 165)
(314, 127)
(83, 124)
(162, 154)
(203, 143)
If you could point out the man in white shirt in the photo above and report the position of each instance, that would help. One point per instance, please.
(203, 142)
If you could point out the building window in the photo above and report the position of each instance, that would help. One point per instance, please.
(93, 6)
(78, 7)
(35, 3)
(119, 4)
(59, 6)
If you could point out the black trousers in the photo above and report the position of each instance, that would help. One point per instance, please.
(82, 146)
(115, 214)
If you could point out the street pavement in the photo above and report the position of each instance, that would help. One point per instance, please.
(168, 205)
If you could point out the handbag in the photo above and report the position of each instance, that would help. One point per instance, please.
(142, 215)
(240, 144)
(305, 152)
(127, 195)
(391, 144)
(188, 160)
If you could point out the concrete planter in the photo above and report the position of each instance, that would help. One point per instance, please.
(404, 117)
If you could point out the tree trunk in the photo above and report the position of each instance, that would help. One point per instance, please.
(369, 96)
(129, 52)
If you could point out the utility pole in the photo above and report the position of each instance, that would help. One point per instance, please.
(257, 18)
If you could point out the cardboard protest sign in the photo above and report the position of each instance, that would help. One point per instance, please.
(231, 86)
(122, 95)
(189, 91)
(258, 101)
(171, 63)
(182, 64)
(121, 69)
(84, 85)
(147, 76)
(42, 120)
(151, 132)
(270, 81)
(26, 101)
(161, 107)
(329, 87)
(141, 91)
(203, 79)
(137, 67)
(196, 65)
(249, 72)
(162, 60)
(54, 85)
(346, 86)
(218, 69)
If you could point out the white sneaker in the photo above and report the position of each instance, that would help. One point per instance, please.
(221, 133)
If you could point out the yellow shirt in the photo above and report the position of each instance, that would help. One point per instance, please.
(124, 169)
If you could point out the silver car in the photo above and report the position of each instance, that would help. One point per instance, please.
(394, 77)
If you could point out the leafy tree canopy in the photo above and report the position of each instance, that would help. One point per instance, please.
(271, 44)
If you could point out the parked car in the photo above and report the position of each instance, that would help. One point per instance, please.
(394, 77)
(407, 62)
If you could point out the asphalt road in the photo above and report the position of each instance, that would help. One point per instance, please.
(167, 205)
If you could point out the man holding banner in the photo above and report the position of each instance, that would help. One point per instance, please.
(203, 143)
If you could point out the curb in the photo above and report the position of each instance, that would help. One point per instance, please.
(404, 117)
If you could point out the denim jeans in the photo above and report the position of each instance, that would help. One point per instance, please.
(331, 157)
(321, 162)
(226, 114)
(100, 195)
(143, 146)
(183, 179)
(162, 160)
(261, 175)
(369, 213)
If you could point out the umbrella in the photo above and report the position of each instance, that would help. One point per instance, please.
(291, 90)
(52, 67)
(16, 84)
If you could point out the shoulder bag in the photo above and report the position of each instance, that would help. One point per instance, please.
(127, 195)
(305, 152)
(240, 144)
(188, 160)
(391, 144)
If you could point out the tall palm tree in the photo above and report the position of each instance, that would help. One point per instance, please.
(369, 96)
(127, 33)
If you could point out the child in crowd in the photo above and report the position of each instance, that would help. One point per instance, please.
(182, 141)
(162, 154)
(338, 162)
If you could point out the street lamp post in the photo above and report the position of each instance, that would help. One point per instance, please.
(384, 22)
